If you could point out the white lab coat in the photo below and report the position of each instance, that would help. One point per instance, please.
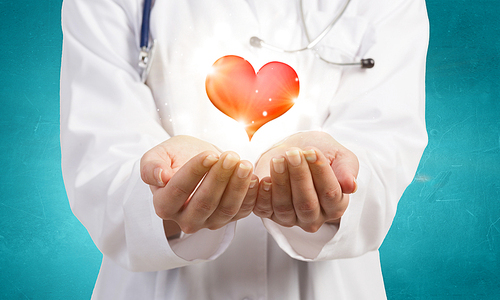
(109, 119)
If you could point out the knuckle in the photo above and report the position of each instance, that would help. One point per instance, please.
(222, 177)
(215, 226)
(161, 211)
(284, 222)
(300, 175)
(308, 211)
(321, 169)
(337, 214)
(189, 228)
(241, 214)
(176, 192)
(307, 206)
(332, 154)
(311, 227)
(285, 215)
(333, 195)
(203, 207)
(247, 206)
(239, 186)
(227, 211)
(262, 212)
(283, 209)
(264, 196)
(281, 182)
(198, 171)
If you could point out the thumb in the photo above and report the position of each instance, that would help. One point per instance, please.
(345, 165)
(155, 171)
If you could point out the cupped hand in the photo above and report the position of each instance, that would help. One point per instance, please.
(306, 180)
(195, 186)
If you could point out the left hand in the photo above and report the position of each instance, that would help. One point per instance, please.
(311, 175)
(195, 186)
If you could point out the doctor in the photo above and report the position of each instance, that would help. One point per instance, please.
(271, 218)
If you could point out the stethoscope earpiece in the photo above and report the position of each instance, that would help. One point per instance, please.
(367, 63)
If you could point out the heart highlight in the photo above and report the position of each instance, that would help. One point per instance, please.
(251, 99)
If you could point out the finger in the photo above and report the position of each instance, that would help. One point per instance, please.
(233, 196)
(156, 168)
(305, 199)
(206, 198)
(345, 165)
(327, 186)
(248, 204)
(170, 199)
(281, 193)
(263, 207)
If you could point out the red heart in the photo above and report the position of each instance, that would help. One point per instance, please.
(249, 98)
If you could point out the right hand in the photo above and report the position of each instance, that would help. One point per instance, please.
(196, 186)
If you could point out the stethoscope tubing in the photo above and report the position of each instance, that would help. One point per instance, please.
(146, 13)
(146, 50)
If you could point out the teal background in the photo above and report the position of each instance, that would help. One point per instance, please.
(444, 242)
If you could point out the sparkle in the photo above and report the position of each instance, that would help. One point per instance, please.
(264, 113)
(270, 99)
(296, 79)
(211, 70)
(256, 91)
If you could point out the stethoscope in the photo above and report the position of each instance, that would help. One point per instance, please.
(147, 52)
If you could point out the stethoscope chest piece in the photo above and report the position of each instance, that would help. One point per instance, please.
(146, 57)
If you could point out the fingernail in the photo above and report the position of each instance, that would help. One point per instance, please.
(310, 155)
(243, 171)
(266, 186)
(209, 161)
(157, 173)
(355, 186)
(253, 183)
(293, 157)
(279, 165)
(230, 161)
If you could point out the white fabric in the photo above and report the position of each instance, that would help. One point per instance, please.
(109, 119)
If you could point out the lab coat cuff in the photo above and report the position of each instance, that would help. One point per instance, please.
(298, 243)
(354, 237)
(204, 244)
(330, 241)
(148, 247)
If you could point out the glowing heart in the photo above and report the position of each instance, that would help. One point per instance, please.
(249, 98)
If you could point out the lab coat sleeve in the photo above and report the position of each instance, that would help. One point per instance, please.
(379, 114)
(108, 121)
